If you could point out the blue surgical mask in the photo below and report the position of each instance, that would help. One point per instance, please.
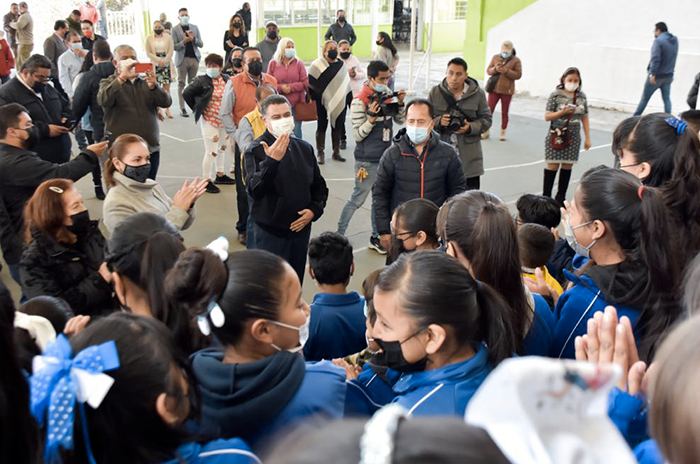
(290, 53)
(381, 88)
(213, 72)
(417, 134)
(505, 55)
(185, 20)
(573, 242)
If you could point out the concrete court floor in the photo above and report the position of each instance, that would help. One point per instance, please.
(514, 167)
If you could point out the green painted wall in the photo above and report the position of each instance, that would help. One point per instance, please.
(307, 46)
(482, 15)
(447, 37)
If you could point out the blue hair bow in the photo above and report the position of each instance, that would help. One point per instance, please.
(677, 124)
(59, 381)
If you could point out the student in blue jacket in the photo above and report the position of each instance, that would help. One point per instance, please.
(479, 231)
(434, 324)
(141, 418)
(257, 382)
(337, 322)
(623, 228)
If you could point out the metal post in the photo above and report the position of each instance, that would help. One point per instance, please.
(375, 24)
(318, 32)
(430, 43)
(414, 7)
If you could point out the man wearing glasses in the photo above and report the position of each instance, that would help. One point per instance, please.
(50, 111)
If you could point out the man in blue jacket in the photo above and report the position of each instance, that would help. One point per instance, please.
(661, 67)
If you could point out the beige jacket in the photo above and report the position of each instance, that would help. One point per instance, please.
(151, 49)
(129, 197)
(25, 29)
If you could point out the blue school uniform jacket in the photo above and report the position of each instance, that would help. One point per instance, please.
(337, 326)
(254, 400)
(444, 391)
(232, 451)
(629, 414)
(539, 338)
(573, 310)
(370, 391)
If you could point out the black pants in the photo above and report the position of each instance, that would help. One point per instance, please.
(348, 102)
(292, 248)
(97, 172)
(241, 194)
(155, 163)
(473, 183)
(323, 119)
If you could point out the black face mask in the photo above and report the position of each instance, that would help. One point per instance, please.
(345, 55)
(236, 25)
(272, 35)
(341, 19)
(39, 87)
(378, 42)
(237, 62)
(333, 54)
(392, 357)
(32, 139)
(255, 68)
(137, 173)
(81, 223)
(158, 31)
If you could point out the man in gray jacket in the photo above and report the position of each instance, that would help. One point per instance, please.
(131, 104)
(187, 42)
(268, 45)
(54, 47)
(461, 116)
(341, 30)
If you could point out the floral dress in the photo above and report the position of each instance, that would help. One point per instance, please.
(557, 101)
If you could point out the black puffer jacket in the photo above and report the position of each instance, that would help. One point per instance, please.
(68, 271)
(436, 175)
(198, 94)
(86, 97)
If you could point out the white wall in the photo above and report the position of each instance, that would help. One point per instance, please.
(608, 40)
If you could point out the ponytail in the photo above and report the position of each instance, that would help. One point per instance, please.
(497, 330)
(195, 280)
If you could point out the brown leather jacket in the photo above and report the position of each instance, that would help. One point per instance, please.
(513, 72)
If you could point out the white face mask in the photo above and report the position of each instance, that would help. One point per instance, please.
(584, 251)
(571, 87)
(282, 126)
(303, 335)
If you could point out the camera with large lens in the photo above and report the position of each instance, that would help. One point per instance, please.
(457, 120)
(388, 104)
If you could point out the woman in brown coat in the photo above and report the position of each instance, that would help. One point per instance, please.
(509, 69)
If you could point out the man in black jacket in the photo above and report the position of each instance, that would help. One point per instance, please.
(246, 15)
(47, 108)
(418, 165)
(286, 185)
(22, 171)
(85, 98)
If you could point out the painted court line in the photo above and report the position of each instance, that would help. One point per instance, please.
(533, 163)
(179, 139)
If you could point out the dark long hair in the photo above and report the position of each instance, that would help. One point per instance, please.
(251, 288)
(675, 170)
(483, 229)
(143, 248)
(19, 434)
(418, 215)
(386, 42)
(435, 288)
(126, 427)
(691, 287)
(88, 63)
(568, 71)
(639, 223)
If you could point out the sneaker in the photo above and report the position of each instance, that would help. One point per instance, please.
(486, 135)
(376, 245)
(224, 180)
(184, 114)
(211, 188)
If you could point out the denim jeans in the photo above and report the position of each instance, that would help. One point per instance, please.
(363, 187)
(663, 83)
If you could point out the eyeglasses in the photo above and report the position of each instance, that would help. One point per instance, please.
(42, 78)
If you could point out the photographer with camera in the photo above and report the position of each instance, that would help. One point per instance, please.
(417, 165)
(461, 116)
(372, 115)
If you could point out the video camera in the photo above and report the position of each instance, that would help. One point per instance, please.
(386, 108)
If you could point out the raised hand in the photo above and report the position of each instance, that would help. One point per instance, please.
(278, 149)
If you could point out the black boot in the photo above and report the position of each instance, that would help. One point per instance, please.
(320, 146)
(564, 178)
(335, 140)
(549, 177)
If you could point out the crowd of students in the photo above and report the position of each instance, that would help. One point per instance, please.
(139, 347)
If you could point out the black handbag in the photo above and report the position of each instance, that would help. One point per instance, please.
(491, 83)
